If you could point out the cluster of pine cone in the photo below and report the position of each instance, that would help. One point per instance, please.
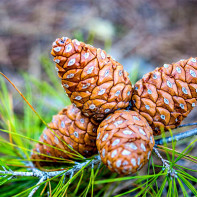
(110, 116)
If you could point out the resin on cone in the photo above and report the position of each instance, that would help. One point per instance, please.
(71, 127)
(95, 83)
(125, 141)
(167, 95)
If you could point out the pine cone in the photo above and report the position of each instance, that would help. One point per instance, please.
(124, 141)
(167, 95)
(72, 128)
(95, 82)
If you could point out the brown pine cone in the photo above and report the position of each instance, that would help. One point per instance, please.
(70, 127)
(95, 83)
(167, 95)
(124, 141)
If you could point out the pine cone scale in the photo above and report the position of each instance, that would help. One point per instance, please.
(124, 141)
(69, 128)
(88, 75)
(167, 95)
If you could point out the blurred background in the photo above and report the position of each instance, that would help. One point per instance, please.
(143, 32)
(140, 34)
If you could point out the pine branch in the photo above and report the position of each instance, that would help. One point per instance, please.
(166, 166)
(165, 163)
(38, 173)
(176, 137)
(45, 175)
(187, 125)
(38, 185)
(96, 160)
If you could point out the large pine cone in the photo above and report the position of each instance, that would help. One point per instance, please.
(125, 141)
(69, 127)
(95, 83)
(167, 95)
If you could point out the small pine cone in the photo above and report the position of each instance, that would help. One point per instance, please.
(95, 83)
(167, 95)
(125, 141)
(71, 127)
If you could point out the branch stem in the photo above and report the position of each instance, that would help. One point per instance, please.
(45, 175)
(176, 137)
(37, 173)
(187, 125)
(37, 187)
(166, 165)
